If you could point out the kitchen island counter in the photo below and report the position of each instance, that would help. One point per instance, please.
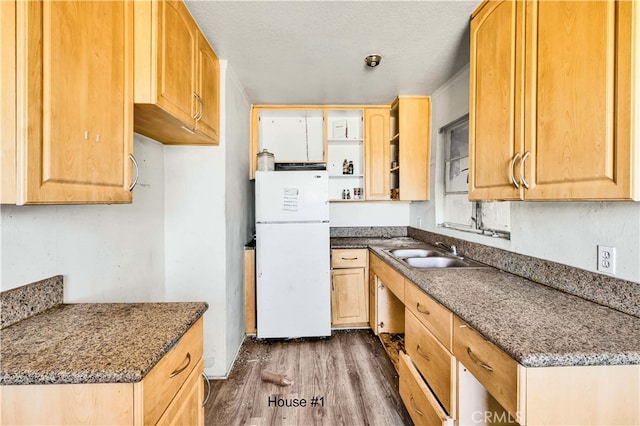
(538, 326)
(93, 342)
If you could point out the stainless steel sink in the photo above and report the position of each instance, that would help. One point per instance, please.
(426, 258)
(435, 262)
(408, 252)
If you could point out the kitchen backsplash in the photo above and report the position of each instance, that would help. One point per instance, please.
(368, 231)
(31, 299)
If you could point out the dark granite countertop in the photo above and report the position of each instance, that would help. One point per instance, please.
(536, 325)
(93, 342)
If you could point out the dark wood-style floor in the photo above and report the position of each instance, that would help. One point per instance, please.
(349, 372)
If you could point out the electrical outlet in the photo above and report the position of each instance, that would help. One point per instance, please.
(607, 259)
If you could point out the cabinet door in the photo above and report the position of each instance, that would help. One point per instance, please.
(208, 83)
(8, 102)
(74, 104)
(177, 61)
(414, 145)
(377, 165)
(578, 99)
(349, 297)
(373, 302)
(495, 91)
(186, 408)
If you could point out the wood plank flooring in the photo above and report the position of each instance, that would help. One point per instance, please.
(349, 373)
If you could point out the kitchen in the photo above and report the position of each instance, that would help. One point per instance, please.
(183, 237)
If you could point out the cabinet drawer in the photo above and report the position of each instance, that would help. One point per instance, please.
(420, 402)
(432, 314)
(496, 370)
(434, 361)
(159, 387)
(186, 408)
(349, 258)
(392, 279)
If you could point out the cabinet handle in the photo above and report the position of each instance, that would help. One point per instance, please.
(511, 166)
(195, 116)
(413, 405)
(201, 108)
(522, 179)
(206, 380)
(477, 361)
(422, 354)
(137, 172)
(422, 311)
(181, 369)
(349, 258)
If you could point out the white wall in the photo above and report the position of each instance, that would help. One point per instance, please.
(378, 213)
(208, 213)
(239, 208)
(107, 253)
(564, 232)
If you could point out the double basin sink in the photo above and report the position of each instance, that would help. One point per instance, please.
(421, 258)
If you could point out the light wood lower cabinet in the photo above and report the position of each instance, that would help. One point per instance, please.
(432, 359)
(490, 365)
(386, 310)
(349, 294)
(389, 276)
(422, 405)
(450, 372)
(171, 393)
(182, 410)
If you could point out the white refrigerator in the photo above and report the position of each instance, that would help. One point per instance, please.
(293, 293)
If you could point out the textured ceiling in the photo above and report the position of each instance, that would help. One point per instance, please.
(313, 51)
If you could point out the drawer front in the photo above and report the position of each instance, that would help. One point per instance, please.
(186, 408)
(433, 315)
(420, 402)
(349, 258)
(159, 387)
(496, 370)
(433, 360)
(389, 277)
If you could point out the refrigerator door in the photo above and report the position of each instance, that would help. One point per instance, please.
(293, 281)
(293, 196)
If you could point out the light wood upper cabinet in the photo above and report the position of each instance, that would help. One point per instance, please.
(410, 146)
(578, 127)
(560, 127)
(176, 76)
(207, 88)
(73, 102)
(496, 96)
(377, 163)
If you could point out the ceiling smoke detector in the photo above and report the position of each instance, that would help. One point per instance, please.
(373, 60)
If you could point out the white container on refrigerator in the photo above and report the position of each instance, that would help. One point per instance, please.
(292, 254)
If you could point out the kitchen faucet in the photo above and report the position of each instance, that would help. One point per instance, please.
(452, 249)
